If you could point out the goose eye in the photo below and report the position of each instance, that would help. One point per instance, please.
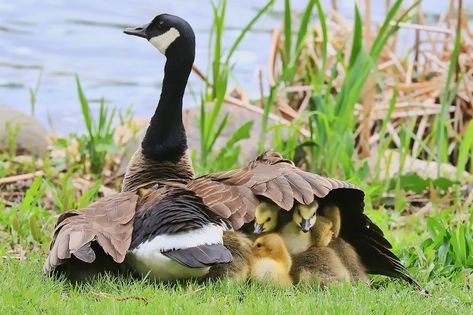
(161, 24)
(258, 245)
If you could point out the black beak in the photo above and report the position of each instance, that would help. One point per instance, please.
(305, 225)
(137, 31)
(258, 228)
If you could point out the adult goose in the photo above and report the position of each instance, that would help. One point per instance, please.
(164, 217)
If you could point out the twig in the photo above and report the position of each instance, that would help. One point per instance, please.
(200, 74)
(261, 87)
(18, 178)
(425, 28)
(84, 183)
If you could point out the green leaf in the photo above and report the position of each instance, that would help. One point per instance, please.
(241, 133)
(357, 38)
(413, 182)
(287, 30)
(84, 104)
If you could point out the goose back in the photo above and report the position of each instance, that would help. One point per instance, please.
(144, 172)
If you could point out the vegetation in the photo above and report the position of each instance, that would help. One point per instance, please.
(326, 96)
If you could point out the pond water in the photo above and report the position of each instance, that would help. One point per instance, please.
(54, 39)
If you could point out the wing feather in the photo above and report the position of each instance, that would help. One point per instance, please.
(234, 194)
(108, 221)
(274, 178)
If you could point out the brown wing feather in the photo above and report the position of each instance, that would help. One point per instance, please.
(233, 194)
(109, 221)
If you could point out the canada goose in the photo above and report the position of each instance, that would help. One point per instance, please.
(178, 236)
(115, 224)
(240, 246)
(272, 261)
(163, 154)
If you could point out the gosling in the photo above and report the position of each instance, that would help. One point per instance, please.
(272, 261)
(296, 233)
(239, 269)
(266, 217)
(319, 264)
(343, 249)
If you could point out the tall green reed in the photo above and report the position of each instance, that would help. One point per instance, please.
(210, 125)
(99, 139)
(331, 122)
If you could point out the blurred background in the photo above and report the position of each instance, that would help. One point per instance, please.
(44, 43)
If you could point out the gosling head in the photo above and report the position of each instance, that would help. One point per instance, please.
(304, 216)
(266, 217)
(170, 34)
(323, 232)
(269, 245)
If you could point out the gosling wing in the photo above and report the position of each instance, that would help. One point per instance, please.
(109, 222)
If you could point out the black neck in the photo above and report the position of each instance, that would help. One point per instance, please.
(165, 139)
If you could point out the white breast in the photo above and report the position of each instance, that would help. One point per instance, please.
(147, 259)
(158, 267)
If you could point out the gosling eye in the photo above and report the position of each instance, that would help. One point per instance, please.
(269, 219)
(258, 245)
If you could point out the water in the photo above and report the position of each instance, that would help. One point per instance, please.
(58, 38)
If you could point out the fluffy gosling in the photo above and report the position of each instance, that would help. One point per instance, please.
(239, 269)
(343, 249)
(319, 264)
(296, 233)
(272, 261)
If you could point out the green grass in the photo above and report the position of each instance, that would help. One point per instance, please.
(24, 290)
(436, 245)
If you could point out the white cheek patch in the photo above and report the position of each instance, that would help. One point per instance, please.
(163, 41)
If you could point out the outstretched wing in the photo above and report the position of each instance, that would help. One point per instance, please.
(108, 222)
(366, 237)
(234, 194)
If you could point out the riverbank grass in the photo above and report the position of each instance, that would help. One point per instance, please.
(25, 290)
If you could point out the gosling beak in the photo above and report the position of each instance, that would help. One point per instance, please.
(137, 31)
(305, 225)
(258, 228)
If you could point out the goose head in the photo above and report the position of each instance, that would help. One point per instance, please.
(266, 217)
(305, 216)
(323, 232)
(170, 34)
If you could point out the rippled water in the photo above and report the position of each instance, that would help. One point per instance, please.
(57, 38)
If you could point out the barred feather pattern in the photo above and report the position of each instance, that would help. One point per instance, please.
(109, 222)
(144, 173)
(171, 210)
(234, 194)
